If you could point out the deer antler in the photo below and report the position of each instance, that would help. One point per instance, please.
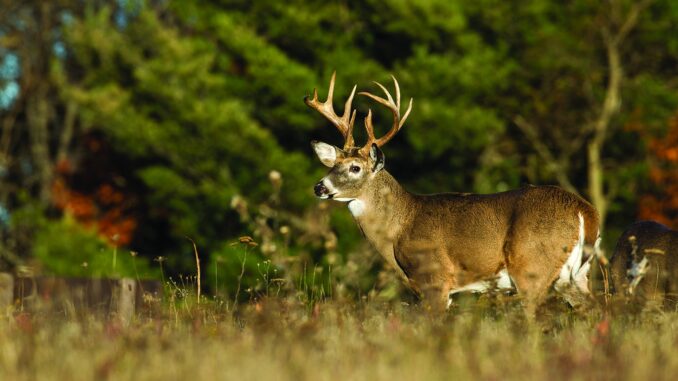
(398, 121)
(344, 123)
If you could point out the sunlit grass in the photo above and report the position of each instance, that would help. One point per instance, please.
(278, 338)
(303, 326)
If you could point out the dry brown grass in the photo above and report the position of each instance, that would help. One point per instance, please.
(284, 339)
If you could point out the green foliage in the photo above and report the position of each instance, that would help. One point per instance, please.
(210, 112)
(203, 100)
(66, 248)
(237, 267)
(202, 144)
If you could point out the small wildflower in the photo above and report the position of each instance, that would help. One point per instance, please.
(237, 202)
(275, 178)
(330, 242)
(268, 248)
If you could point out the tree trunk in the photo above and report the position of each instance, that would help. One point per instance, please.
(611, 106)
(37, 118)
(37, 86)
(595, 178)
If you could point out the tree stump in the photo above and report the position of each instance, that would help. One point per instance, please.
(6, 289)
(124, 300)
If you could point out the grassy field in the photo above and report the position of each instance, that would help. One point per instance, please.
(284, 339)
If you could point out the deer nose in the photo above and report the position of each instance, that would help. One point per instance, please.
(320, 189)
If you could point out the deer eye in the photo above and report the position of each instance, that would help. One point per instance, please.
(354, 169)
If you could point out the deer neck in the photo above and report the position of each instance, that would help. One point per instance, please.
(382, 210)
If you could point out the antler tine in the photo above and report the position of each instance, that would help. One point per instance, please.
(347, 105)
(388, 95)
(398, 121)
(344, 123)
(330, 92)
(370, 132)
(386, 102)
(397, 87)
(407, 113)
(348, 139)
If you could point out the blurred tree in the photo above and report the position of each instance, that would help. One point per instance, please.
(575, 91)
(191, 111)
(186, 125)
(37, 128)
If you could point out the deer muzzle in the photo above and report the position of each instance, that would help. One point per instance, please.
(321, 190)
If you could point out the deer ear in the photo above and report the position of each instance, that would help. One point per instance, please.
(327, 153)
(377, 158)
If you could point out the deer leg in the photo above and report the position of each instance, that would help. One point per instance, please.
(435, 298)
(525, 265)
(533, 287)
(533, 273)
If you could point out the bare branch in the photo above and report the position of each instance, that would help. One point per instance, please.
(553, 165)
(631, 21)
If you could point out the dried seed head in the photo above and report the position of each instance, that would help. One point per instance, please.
(246, 240)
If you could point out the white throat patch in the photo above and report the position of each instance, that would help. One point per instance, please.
(356, 207)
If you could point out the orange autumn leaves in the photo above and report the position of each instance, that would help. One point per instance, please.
(661, 205)
(104, 209)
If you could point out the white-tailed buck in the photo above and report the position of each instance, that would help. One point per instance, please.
(528, 239)
(644, 266)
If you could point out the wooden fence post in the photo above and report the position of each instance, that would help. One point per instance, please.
(6, 290)
(125, 298)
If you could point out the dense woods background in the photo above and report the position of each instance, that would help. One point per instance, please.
(129, 126)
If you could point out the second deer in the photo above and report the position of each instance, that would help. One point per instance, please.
(529, 239)
(644, 266)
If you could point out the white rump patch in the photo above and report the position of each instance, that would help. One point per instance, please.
(573, 281)
(502, 282)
